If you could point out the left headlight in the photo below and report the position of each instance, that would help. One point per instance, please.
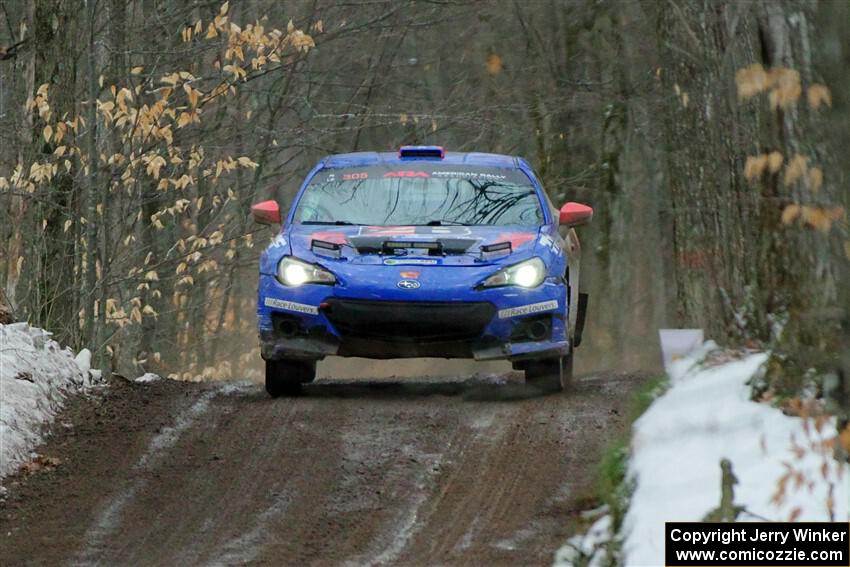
(293, 272)
(529, 273)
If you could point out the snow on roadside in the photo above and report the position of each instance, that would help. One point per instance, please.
(36, 373)
(588, 548)
(147, 378)
(704, 417)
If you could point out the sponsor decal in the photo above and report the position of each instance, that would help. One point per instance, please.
(291, 306)
(516, 239)
(409, 262)
(406, 174)
(418, 230)
(387, 230)
(328, 236)
(408, 284)
(470, 175)
(551, 243)
(409, 275)
(528, 309)
(440, 171)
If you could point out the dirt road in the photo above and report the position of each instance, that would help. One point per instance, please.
(450, 473)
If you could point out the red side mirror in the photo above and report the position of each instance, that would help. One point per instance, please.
(575, 214)
(267, 212)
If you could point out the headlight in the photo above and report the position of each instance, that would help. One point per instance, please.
(293, 272)
(530, 273)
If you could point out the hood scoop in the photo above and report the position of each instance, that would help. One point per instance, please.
(438, 247)
(326, 248)
(500, 249)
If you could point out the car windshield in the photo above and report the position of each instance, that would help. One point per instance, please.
(428, 196)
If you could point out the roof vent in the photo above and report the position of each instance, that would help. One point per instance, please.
(422, 152)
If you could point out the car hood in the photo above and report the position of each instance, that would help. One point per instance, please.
(456, 245)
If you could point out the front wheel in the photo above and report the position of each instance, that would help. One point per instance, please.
(284, 377)
(550, 374)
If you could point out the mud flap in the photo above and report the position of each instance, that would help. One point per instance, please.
(580, 317)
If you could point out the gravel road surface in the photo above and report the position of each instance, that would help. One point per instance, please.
(476, 471)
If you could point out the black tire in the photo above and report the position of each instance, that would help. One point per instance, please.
(284, 377)
(550, 374)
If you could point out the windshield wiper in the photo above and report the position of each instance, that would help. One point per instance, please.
(445, 222)
(338, 223)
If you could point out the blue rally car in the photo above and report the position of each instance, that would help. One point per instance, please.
(421, 253)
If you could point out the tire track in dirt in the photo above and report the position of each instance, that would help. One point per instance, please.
(108, 519)
(417, 473)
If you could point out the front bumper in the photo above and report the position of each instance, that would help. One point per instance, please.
(315, 321)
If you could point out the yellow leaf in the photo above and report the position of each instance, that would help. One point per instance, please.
(184, 119)
(136, 70)
(817, 218)
(494, 64)
(815, 179)
(755, 166)
(170, 79)
(152, 276)
(47, 132)
(224, 8)
(751, 81)
(67, 225)
(790, 213)
(235, 70)
(290, 27)
(774, 161)
(786, 87)
(19, 265)
(795, 170)
(154, 166)
(819, 94)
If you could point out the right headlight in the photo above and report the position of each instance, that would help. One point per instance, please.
(529, 273)
(293, 272)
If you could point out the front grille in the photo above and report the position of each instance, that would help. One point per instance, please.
(401, 321)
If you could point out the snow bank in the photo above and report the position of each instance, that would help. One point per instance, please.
(147, 378)
(588, 548)
(35, 375)
(706, 416)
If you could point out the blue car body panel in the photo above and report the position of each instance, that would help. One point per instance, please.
(313, 321)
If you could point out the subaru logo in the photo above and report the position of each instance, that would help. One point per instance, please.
(408, 284)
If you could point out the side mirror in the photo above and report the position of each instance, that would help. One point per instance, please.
(267, 212)
(575, 214)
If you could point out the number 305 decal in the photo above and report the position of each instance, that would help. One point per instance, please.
(353, 176)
